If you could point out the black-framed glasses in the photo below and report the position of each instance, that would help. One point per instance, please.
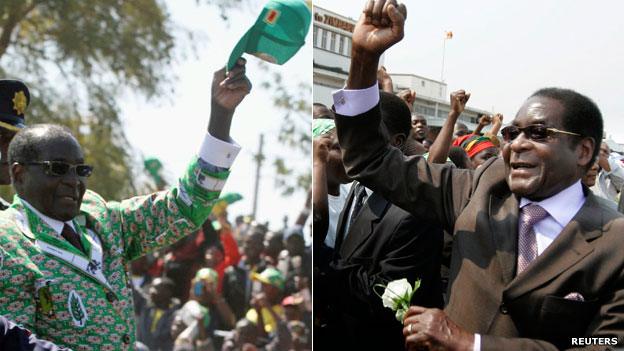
(536, 132)
(59, 168)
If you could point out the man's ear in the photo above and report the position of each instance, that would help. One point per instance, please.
(17, 172)
(398, 140)
(585, 152)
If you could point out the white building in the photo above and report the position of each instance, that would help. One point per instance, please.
(332, 52)
(332, 55)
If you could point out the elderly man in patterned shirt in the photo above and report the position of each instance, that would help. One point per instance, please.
(64, 249)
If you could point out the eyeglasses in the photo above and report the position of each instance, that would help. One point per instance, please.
(535, 132)
(59, 169)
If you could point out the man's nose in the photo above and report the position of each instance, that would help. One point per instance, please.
(520, 143)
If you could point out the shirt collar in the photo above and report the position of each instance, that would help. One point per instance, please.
(368, 191)
(558, 206)
(53, 223)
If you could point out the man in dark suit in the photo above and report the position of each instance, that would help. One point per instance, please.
(537, 260)
(376, 243)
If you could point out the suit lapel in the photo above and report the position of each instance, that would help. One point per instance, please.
(364, 224)
(568, 248)
(504, 226)
(343, 218)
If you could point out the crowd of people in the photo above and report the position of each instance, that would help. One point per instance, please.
(510, 235)
(226, 287)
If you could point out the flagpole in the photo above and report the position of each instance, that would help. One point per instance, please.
(443, 54)
(448, 35)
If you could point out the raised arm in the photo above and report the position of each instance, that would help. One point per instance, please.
(153, 221)
(497, 122)
(439, 150)
(320, 215)
(228, 91)
(435, 191)
(384, 80)
(380, 27)
(483, 121)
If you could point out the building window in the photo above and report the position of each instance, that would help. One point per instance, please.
(424, 110)
(348, 53)
(323, 39)
(422, 83)
(315, 36)
(341, 44)
(332, 42)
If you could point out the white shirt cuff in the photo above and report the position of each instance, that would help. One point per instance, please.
(355, 102)
(477, 343)
(218, 152)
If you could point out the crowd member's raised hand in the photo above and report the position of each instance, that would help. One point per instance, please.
(497, 120)
(409, 96)
(384, 79)
(497, 123)
(380, 26)
(459, 99)
(431, 329)
(321, 146)
(439, 150)
(320, 215)
(485, 120)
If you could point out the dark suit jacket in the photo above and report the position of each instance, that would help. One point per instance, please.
(383, 244)
(16, 338)
(524, 312)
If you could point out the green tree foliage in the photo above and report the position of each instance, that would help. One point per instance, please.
(294, 133)
(78, 57)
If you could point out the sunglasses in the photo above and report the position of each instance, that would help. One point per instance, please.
(535, 132)
(59, 169)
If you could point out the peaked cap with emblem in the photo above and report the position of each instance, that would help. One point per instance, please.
(14, 99)
(278, 33)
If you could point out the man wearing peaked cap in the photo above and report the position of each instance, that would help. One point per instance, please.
(14, 99)
(268, 302)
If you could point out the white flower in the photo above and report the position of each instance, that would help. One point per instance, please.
(398, 295)
(395, 292)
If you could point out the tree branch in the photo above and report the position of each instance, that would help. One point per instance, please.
(12, 22)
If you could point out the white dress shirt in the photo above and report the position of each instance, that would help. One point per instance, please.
(608, 184)
(335, 205)
(55, 224)
(561, 207)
